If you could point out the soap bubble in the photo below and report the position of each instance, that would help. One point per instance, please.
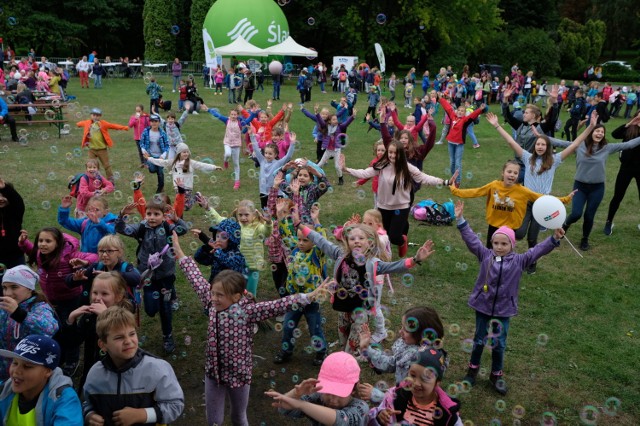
(175, 30)
(611, 406)
(589, 415)
(381, 18)
(311, 20)
(158, 42)
(50, 114)
(187, 340)
(46, 205)
(542, 339)
(11, 21)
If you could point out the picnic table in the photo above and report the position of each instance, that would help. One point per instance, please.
(112, 68)
(156, 67)
(50, 108)
(135, 69)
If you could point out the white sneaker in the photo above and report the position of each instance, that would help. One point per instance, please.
(195, 113)
(173, 91)
(439, 143)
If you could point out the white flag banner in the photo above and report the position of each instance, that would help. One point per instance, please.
(209, 50)
(380, 54)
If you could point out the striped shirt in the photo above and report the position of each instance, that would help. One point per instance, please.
(419, 415)
(543, 182)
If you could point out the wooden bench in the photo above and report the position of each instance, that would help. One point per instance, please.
(47, 112)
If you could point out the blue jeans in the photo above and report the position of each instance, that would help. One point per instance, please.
(176, 81)
(231, 96)
(322, 86)
(590, 194)
(157, 298)
(455, 159)
(276, 90)
(159, 170)
(472, 134)
(499, 334)
(97, 84)
(314, 320)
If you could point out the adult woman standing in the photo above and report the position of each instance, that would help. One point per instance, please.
(591, 160)
(395, 178)
(629, 168)
(176, 72)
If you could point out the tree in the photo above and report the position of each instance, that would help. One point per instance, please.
(580, 45)
(621, 20)
(199, 9)
(159, 43)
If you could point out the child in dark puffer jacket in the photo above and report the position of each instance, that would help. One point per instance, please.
(222, 251)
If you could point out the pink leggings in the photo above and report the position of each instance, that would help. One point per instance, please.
(215, 394)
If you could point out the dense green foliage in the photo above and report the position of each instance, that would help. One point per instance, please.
(545, 36)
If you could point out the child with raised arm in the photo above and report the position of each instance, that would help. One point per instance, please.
(98, 222)
(421, 326)
(232, 315)
(91, 184)
(96, 137)
(540, 167)
(182, 168)
(506, 199)
(129, 386)
(358, 261)
(307, 269)
(232, 139)
(254, 229)
(495, 294)
(269, 164)
(138, 122)
(329, 399)
(332, 142)
(156, 261)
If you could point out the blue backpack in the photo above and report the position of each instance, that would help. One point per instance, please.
(434, 213)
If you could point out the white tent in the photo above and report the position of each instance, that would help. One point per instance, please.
(289, 47)
(240, 47)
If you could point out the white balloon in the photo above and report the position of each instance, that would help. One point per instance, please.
(275, 67)
(549, 212)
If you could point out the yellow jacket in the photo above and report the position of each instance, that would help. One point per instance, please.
(506, 206)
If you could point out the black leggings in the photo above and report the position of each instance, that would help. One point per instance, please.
(279, 275)
(625, 175)
(396, 223)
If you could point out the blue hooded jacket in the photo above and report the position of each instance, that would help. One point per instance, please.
(221, 259)
(90, 233)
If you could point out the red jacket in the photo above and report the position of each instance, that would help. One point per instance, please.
(105, 126)
(458, 129)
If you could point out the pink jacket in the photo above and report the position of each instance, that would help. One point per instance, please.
(389, 199)
(138, 124)
(88, 188)
(52, 281)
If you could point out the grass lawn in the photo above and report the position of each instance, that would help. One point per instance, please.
(572, 346)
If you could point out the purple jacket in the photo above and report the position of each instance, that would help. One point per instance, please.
(502, 277)
(323, 132)
(176, 69)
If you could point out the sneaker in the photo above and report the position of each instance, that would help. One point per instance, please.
(531, 269)
(499, 384)
(476, 146)
(402, 250)
(236, 185)
(173, 91)
(608, 228)
(319, 358)
(168, 344)
(584, 244)
(195, 113)
(471, 375)
(340, 180)
(175, 305)
(69, 368)
(439, 143)
(282, 357)
(226, 164)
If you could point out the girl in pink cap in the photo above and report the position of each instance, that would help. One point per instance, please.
(495, 293)
(327, 400)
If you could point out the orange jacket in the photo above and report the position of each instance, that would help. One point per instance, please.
(105, 126)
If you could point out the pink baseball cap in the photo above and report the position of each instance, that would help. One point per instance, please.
(339, 374)
(509, 233)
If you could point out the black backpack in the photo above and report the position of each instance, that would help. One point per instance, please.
(308, 82)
